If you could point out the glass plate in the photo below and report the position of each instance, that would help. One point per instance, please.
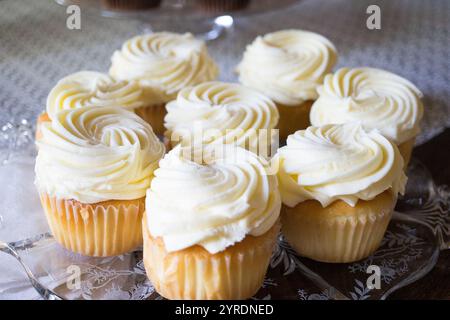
(420, 228)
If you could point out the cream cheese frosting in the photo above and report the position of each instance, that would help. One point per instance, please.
(213, 202)
(96, 89)
(168, 61)
(219, 112)
(287, 65)
(338, 162)
(93, 154)
(373, 97)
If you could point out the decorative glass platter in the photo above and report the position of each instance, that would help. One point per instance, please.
(419, 230)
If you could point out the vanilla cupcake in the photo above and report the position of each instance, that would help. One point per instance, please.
(96, 89)
(288, 66)
(164, 61)
(216, 113)
(211, 224)
(93, 168)
(339, 185)
(375, 98)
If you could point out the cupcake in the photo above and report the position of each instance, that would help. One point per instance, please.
(288, 66)
(164, 61)
(222, 6)
(215, 113)
(375, 98)
(93, 168)
(211, 224)
(339, 185)
(131, 4)
(95, 89)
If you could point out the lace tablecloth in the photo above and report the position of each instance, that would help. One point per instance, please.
(36, 49)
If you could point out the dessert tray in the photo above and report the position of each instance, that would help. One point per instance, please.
(419, 230)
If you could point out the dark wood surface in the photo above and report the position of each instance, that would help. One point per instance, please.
(435, 154)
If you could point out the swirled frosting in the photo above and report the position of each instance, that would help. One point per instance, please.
(220, 112)
(375, 98)
(165, 60)
(287, 65)
(90, 88)
(214, 202)
(338, 162)
(93, 154)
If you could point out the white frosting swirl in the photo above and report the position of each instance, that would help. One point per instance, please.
(165, 60)
(375, 98)
(220, 112)
(338, 162)
(96, 89)
(93, 154)
(212, 203)
(287, 65)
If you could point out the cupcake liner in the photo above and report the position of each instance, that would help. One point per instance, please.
(293, 118)
(154, 115)
(195, 274)
(405, 149)
(43, 117)
(338, 233)
(217, 6)
(101, 229)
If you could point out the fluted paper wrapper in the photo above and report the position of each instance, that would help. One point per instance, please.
(154, 115)
(221, 6)
(338, 233)
(102, 229)
(405, 149)
(293, 118)
(195, 274)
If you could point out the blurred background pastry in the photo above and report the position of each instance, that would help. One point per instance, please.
(131, 4)
(222, 6)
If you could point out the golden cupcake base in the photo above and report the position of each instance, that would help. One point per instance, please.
(338, 233)
(101, 229)
(293, 118)
(195, 274)
(154, 115)
(405, 149)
